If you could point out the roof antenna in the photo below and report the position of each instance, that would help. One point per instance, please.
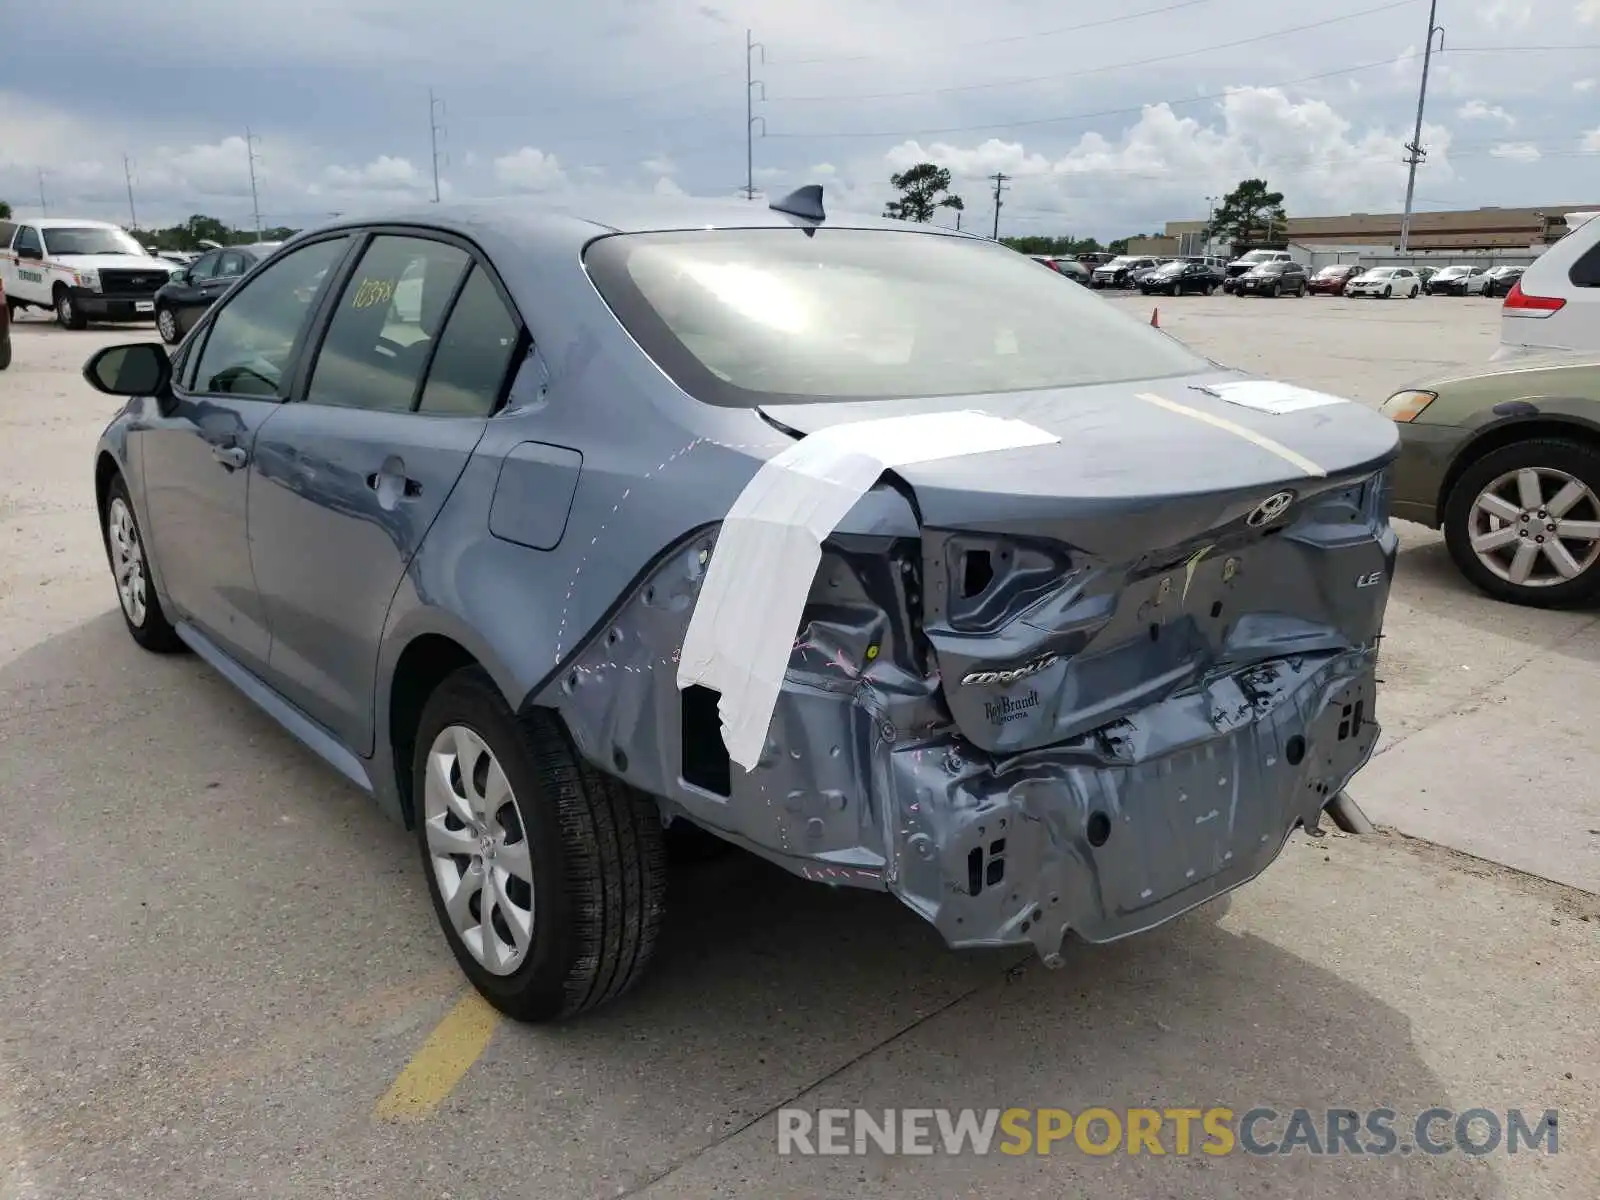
(804, 202)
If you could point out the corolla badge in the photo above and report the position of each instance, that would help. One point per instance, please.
(1270, 509)
(1011, 676)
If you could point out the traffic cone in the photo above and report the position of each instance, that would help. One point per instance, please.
(1155, 317)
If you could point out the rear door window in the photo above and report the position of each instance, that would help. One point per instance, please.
(380, 338)
(472, 365)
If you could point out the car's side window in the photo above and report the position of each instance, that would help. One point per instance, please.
(471, 365)
(231, 265)
(384, 324)
(254, 334)
(204, 267)
(1585, 273)
(28, 239)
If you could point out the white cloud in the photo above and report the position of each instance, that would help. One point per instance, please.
(1479, 110)
(660, 164)
(383, 172)
(1508, 14)
(1516, 151)
(1585, 85)
(666, 187)
(1587, 12)
(529, 170)
(1162, 166)
(1591, 140)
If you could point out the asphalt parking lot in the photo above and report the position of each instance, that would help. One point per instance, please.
(220, 974)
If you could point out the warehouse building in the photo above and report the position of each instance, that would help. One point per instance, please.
(1498, 233)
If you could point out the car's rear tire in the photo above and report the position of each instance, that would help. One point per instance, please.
(5, 351)
(130, 571)
(167, 325)
(1491, 542)
(67, 314)
(574, 920)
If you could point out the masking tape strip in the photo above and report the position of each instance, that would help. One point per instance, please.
(1271, 396)
(1296, 460)
(754, 592)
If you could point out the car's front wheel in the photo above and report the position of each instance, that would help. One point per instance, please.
(67, 314)
(167, 326)
(1523, 523)
(547, 876)
(130, 571)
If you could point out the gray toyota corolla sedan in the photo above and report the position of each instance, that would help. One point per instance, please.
(865, 546)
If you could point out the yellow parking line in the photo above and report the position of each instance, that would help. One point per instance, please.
(436, 1068)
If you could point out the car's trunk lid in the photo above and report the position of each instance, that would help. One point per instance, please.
(1067, 585)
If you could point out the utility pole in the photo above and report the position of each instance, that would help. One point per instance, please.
(1211, 212)
(999, 186)
(44, 209)
(1414, 151)
(127, 175)
(255, 201)
(435, 111)
(751, 83)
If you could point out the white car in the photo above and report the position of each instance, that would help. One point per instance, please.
(1385, 282)
(80, 270)
(1556, 303)
(1459, 281)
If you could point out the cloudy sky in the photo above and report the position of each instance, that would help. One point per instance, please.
(1111, 118)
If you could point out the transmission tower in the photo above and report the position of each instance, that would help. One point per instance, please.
(250, 141)
(751, 83)
(435, 111)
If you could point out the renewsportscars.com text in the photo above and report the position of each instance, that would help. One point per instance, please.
(1164, 1131)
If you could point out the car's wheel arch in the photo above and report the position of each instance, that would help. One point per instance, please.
(433, 645)
(1507, 431)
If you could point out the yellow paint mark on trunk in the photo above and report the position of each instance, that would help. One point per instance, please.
(434, 1070)
(1294, 459)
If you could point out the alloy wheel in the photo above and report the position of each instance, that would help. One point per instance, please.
(1536, 527)
(127, 561)
(478, 849)
(167, 325)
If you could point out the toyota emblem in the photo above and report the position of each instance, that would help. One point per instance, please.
(1270, 509)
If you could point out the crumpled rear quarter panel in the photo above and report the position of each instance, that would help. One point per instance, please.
(1169, 796)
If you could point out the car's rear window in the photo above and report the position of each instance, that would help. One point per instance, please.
(773, 316)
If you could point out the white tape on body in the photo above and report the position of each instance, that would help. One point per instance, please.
(1270, 396)
(754, 593)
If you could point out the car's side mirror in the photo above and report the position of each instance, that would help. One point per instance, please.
(30, 252)
(135, 369)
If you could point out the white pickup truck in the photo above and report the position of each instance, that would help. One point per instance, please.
(81, 270)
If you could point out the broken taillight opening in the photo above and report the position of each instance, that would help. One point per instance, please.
(1520, 302)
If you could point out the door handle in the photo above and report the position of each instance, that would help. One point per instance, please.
(232, 457)
(393, 484)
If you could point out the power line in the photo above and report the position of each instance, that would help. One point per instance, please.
(1085, 116)
(1015, 37)
(1414, 151)
(751, 83)
(435, 111)
(1104, 67)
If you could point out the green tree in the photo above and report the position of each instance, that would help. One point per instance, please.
(924, 189)
(1059, 247)
(5, 211)
(1249, 214)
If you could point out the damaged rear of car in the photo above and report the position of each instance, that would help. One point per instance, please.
(1027, 614)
